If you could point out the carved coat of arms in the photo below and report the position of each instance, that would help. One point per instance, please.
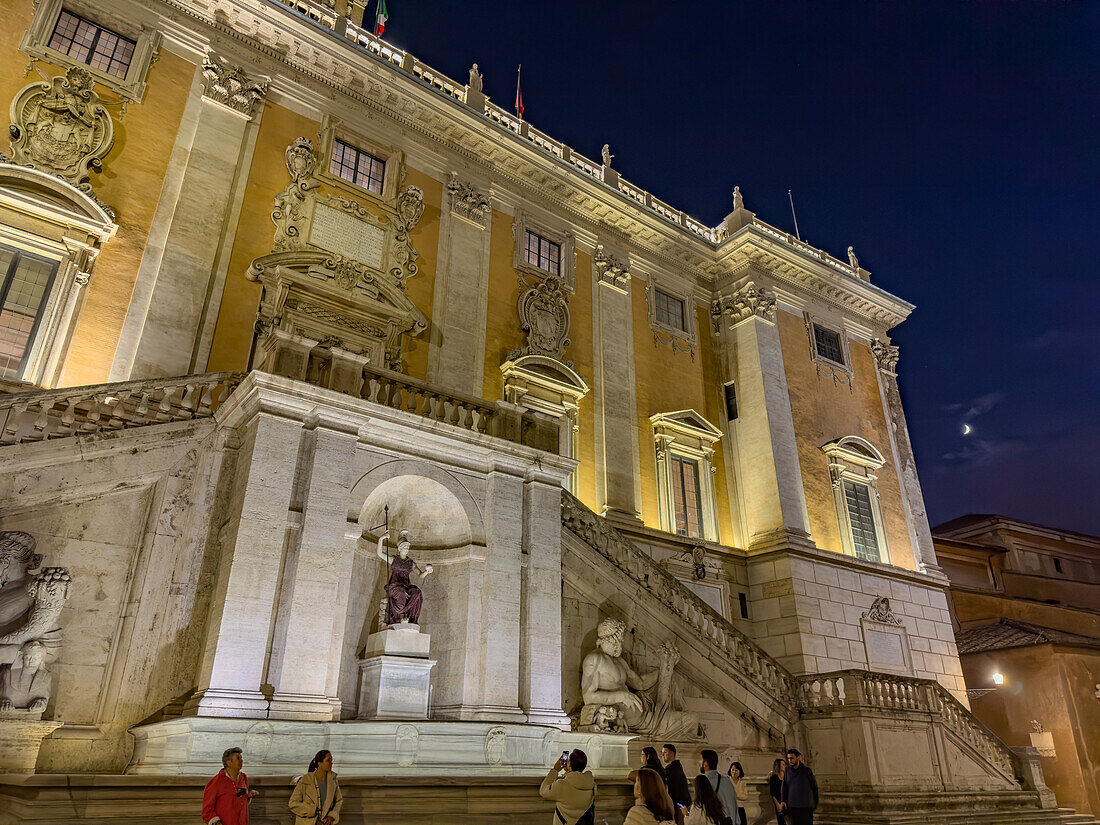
(60, 126)
(544, 316)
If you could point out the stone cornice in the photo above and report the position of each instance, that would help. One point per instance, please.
(300, 56)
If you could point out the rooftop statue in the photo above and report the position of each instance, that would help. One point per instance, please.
(738, 201)
(475, 79)
(644, 704)
(852, 259)
(605, 153)
(403, 599)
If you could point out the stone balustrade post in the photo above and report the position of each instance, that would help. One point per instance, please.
(1029, 768)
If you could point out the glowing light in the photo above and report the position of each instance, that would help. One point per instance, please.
(967, 429)
(998, 679)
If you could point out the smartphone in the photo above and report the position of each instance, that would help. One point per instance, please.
(565, 756)
(242, 791)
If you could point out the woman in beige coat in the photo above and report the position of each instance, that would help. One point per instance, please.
(316, 799)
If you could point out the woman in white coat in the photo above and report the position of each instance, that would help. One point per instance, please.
(316, 799)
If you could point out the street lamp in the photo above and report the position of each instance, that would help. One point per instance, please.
(998, 679)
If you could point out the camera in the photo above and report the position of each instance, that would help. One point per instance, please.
(242, 791)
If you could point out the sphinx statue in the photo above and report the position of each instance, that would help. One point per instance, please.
(642, 704)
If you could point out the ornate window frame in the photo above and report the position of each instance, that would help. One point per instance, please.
(332, 129)
(681, 340)
(552, 232)
(132, 87)
(855, 460)
(687, 434)
(547, 386)
(45, 216)
(823, 363)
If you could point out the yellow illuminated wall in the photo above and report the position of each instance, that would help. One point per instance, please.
(825, 410)
(130, 183)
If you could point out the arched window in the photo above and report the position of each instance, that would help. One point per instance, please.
(50, 235)
(852, 464)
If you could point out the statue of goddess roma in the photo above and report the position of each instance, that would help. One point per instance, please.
(404, 599)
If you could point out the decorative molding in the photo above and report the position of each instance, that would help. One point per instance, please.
(229, 85)
(687, 434)
(289, 214)
(467, 202)
(564, 238)
(610, 270)
(61, 126)
(886, 357)
(880, 611)
(544, 316)
(36, 43)
(745, 303)
(410, 208)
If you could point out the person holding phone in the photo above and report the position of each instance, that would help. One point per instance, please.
(225, 798)
(574, 794)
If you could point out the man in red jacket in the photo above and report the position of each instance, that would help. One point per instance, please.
(226, 796)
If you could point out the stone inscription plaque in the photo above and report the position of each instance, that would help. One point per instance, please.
(347, 235)
(885, 648)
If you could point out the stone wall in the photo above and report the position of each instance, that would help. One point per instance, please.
(128, 514)
(809, 610)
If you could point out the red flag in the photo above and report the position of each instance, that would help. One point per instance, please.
(519, 93)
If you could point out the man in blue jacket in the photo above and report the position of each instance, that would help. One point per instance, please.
(799, 790)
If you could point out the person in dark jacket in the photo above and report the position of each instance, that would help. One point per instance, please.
(775, 789)
(799, 790)
(675, 778)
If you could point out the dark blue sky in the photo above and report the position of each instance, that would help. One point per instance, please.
(955, 144)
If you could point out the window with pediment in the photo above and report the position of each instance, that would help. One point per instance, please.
(852, 464)
(684, 449)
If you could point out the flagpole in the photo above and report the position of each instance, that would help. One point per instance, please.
(793, 215)
(519, 93)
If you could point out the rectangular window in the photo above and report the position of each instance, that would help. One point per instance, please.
(543, 253)
(731, 402)
(744, 602)
(828, 346)
(1058, 565)
(23, 291)
(687, 503)
(862, 518)
(94, 45)
(359, 167)
(669, 310)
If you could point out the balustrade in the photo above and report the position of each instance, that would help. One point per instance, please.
(46, 414)
(740, 655)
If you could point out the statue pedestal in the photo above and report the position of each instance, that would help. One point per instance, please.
(395, 676)
(19, 743)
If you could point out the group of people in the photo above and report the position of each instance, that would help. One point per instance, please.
(316, 799)
(662, 792)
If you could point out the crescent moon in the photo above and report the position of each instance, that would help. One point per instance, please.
(966, 429)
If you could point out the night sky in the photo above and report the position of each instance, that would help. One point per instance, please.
(955, 144)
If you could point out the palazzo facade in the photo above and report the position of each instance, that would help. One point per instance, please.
(273, 286)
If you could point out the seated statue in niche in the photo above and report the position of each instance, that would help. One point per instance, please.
(403, 598)
(644, 704)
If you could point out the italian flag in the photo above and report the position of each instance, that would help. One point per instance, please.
(380, 18)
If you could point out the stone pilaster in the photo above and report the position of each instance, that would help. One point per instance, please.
(456, 353)
(618, 467)
(243, 604)
(541, 631)
(773, 498)
(886, 361)
(182, 272)
(311, 611)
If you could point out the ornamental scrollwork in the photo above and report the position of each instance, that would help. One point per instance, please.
(880, 612)
(747, 302)
(544, 316)
(886, 356)
(610, 269)
(467, 201)
(288, 214)
(231, 86)
(62, 126)
(410, 208)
